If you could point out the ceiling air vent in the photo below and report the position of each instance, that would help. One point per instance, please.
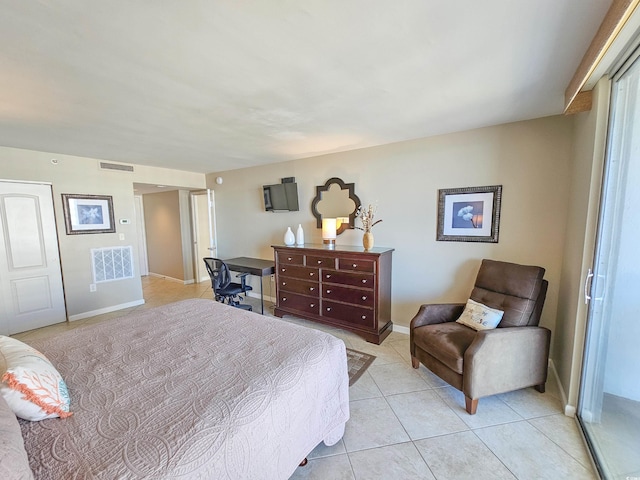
(116, 166)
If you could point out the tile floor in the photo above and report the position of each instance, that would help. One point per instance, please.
(408, 424)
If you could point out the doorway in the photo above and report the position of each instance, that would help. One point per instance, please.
(30, 273)
(609, 401)
(141, 237)
(204, 231)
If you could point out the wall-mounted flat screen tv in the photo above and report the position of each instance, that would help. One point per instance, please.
(281, 197)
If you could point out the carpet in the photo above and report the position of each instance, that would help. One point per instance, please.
(358, 362)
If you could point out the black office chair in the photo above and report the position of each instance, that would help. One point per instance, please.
(224, 290)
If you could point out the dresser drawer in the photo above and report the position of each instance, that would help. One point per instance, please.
(356, 265)
(364, 280)
(349, 314)
(286, 258)
(364, 298)
(299, 302)
(293, 285)
(321, 262)
(303, 273)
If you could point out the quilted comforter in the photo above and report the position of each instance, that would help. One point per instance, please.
(194, 389)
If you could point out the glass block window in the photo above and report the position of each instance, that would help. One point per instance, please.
(112, 263)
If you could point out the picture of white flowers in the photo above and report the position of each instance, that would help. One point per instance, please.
(88, 213)
(469, 214)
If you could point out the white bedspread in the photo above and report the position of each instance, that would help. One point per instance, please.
(195, 389)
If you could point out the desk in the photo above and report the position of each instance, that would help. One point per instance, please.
(253, 266)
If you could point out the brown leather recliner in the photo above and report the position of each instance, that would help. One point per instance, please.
(480, 363)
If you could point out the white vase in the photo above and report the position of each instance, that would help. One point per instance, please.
(299, 235)
(289, 238)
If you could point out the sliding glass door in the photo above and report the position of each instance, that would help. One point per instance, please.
(609, 405)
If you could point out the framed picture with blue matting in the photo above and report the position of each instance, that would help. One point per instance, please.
(88, 213)
(469, 214)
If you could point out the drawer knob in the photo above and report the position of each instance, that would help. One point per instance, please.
(364, 317)
(319, 262)
(312, 305)
(328, 275)
(355, 265)
(328, 309)
(364, 297)
(284, 283)
(328, 291)
(289, 258)
(284, 269)
(284, 299)
(311, 274)
(311, 289)
(364, 280)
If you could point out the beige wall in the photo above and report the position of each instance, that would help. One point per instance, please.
(589, 138)
(530, 159)
(164, 239)
(81, 175)
(167, 217)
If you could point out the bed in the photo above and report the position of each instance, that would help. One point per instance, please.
(194, 389)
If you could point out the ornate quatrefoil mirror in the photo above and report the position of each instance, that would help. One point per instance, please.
(336, 199)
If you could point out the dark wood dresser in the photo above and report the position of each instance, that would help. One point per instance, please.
(346, 287)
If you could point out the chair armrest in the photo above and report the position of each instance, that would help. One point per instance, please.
(243, 279)
(506, 359)
(434, 313)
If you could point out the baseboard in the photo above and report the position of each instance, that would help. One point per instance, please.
(100, 311)
(401, 329)
(171, 279)
(569, 410)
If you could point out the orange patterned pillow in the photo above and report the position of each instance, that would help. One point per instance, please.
(31, 385)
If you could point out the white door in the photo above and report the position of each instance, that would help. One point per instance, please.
(204, 230)
(30, 275)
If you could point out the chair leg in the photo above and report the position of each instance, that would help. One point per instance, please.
(415, 363)
(540, 387)
(471, 405)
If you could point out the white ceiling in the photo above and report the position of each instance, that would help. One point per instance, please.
(206, 85)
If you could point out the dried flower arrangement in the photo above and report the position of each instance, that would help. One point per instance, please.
(366, 217)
